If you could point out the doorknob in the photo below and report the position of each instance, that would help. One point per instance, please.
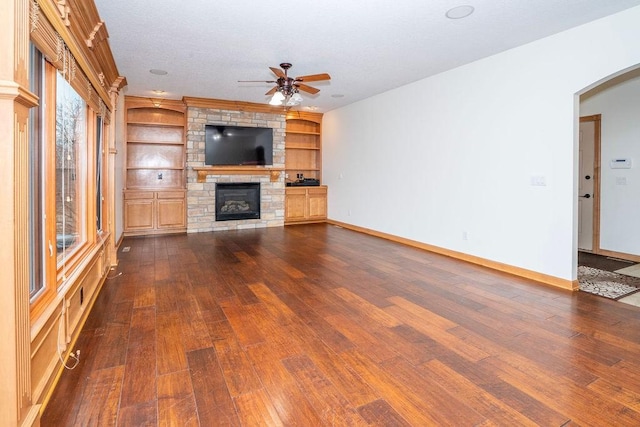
(586, 196)
(587, 177)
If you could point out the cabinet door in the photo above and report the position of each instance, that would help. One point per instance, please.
(317, 200)
(295, 201)
(171, 213)
(138, 214)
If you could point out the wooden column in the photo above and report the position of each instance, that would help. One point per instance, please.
(16, 404)
(110, 169)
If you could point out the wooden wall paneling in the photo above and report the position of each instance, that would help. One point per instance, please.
(76, 47)
(44, 351)
(16, 403)
(30, 367)
(232, 105)
(62, 326)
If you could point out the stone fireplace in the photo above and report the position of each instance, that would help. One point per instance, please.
(201, 196)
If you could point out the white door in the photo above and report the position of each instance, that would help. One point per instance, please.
(585, 186)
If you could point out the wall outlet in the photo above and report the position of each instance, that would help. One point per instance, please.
(465, 236)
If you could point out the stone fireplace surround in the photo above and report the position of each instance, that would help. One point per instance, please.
(201, 195)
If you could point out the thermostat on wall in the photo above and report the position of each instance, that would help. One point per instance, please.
(620, 163)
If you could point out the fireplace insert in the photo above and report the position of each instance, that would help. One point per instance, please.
(237, 201)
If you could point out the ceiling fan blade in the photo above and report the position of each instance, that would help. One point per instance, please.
(308, 89)
(256, 81)
(313, 77)
(272, 91)
(277, 71)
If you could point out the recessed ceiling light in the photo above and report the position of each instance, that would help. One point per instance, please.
(158, 72)
(459, 12)
(158, 92)
(337, 95)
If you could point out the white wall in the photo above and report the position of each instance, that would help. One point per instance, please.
(620, 201)
(456, 152)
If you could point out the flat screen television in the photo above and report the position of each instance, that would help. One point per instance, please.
(237, 145)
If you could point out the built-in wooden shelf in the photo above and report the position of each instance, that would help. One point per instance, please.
(141, 141)
(159, 168)
(204, 171)
(301, 147)
(157, 124)
(302, 132)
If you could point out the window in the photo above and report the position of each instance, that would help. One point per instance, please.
(99, 157)
(66, 138)
(36, 153)
(71, 139)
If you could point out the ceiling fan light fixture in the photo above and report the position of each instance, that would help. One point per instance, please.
(277, 98)
(292, 98)
(286, 89)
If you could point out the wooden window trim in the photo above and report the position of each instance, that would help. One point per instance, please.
(57, 275)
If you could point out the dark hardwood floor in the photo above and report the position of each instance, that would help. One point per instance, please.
(314, 325)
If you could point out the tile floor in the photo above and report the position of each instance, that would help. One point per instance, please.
(613, 264)
(633, 299)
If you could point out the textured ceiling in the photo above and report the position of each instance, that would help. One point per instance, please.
(367, 46)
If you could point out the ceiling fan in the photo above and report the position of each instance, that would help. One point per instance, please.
(285, 92)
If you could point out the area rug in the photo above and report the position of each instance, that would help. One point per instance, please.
(605, 283)
(633, 270)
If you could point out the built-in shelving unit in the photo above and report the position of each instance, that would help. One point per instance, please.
(155, 193)
(303, 158)
(303, 145)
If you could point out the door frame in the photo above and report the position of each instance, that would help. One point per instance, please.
(597, 144)
(596, 118)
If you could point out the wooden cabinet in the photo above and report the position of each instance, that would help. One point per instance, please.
(171, 208)
(154, 212)
(303, 145)
(139, 211)
(155, 195)
(305, 204)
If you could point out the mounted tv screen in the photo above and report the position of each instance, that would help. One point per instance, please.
(237, 145)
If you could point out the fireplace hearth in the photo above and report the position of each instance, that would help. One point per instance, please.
(237, 201)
